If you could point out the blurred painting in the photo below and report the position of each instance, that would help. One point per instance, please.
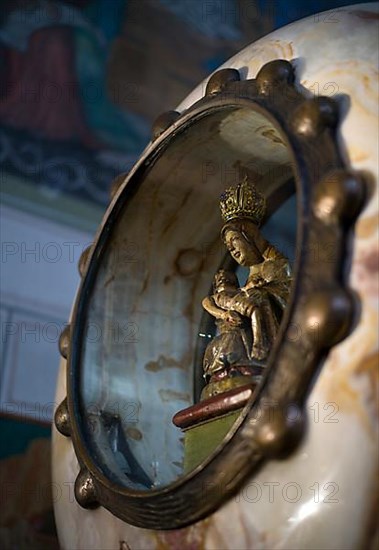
(82, 81)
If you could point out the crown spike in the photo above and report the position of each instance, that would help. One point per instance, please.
(243, 201)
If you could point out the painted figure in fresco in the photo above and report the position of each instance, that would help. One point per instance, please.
(254, 310)
(54, 73)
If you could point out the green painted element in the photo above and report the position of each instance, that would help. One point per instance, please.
(16, 436)
(201, 440)
(63, 209)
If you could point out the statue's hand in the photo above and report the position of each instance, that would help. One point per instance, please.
(233, 318)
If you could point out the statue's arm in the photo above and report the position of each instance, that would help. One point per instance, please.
(210, 306)
(232, 317)
(246, 301)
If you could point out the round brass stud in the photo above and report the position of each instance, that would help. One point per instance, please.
(116, 184)
(83, 260)
(62, 419)
(314, 115)
(328, 317)
(85, 490)
(339, 197)
(273, 73)
(280, 429)
(220, 80)
(163, 122)
(64, 342)
(328, 109)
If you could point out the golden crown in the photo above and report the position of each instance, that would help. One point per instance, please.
(243, 201)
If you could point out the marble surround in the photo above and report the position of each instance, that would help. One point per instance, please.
(323, 496)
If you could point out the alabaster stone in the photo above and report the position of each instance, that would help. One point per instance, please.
(323, 495)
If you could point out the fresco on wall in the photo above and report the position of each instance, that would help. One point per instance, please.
(58, 119)
(82, 81)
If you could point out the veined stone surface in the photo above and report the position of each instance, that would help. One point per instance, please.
(323, 496)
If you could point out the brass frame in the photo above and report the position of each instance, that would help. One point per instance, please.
(330, 197)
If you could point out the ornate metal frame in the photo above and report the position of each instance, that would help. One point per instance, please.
(330, 197)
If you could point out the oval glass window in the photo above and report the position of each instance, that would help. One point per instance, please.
(183, 366)
(168, 304)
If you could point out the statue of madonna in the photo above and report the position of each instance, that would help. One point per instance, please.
(247, 316)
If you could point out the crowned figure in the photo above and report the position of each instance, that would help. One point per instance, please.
(247, 316)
